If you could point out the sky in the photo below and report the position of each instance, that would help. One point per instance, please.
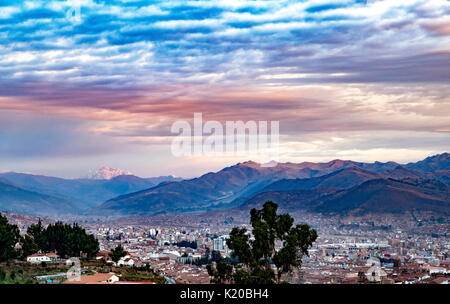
(86, 84)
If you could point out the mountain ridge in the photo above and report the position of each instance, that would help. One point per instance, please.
(388, 196)
(16, 199)
(304, 185)
(233, 184)
(81, 192)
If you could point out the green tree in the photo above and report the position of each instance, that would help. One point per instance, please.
(215, 255)
(9, 236)
(255, 256)
(222, 273)
(66, 240)
(117, 253)
(36, 232)
(28, 246)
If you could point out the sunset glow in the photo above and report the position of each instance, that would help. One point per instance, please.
(360, 80)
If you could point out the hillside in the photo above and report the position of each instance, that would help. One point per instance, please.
(203, 192)
(293, 192)
(16, 199)
(301, 185)
(288, 199)
(432, 163)
(344, 178)
(223, 188)
(389, 196)
(84, 193)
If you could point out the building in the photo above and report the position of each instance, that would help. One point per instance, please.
(126, 261)
(103, 255)
(437, 270)
(41, 257)
(219, 244)
(186, 259)
(98, 278)
(53, 257)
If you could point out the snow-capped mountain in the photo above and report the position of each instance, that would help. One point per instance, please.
(107, 173)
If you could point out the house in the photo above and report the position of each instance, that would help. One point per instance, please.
(437, 270)
(41, 257)
(103, 255)
(185, 259)
(53, 257)
(97, 278)
(375, 274)
(126, 261)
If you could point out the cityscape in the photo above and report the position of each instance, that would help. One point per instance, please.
(408, 247)
(217, 151)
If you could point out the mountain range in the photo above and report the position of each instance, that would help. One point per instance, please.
(389, 196)
(335, 187)
(296, 186)
(14, 198)
(80, 194)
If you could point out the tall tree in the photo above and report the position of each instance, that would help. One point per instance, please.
(257, 255)
(222, 273)
(28, 246)
(117, 253)
(66, 240)
(9, 236)
(36, 232)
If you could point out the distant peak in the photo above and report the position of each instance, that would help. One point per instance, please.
(442, 155)
(107, 173)
(334, 161)
(432, 163)
(249, 163)
(253, 164)
(438, 157)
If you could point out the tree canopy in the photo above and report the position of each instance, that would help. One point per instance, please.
(67, 240)
(9, 237)
(257, 255)
(117, 253)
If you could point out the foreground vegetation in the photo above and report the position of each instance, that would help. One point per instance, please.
(255, 257)
(63, 239)
(20, 272)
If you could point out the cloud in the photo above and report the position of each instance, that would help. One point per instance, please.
(130, 68)
(202, 37)
(31, 136)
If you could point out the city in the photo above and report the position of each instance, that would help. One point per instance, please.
(403, 250)
(224, 151)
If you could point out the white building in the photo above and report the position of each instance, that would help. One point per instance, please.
(219, 244)
(126, 261)
(437, 270)
(40, 257)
